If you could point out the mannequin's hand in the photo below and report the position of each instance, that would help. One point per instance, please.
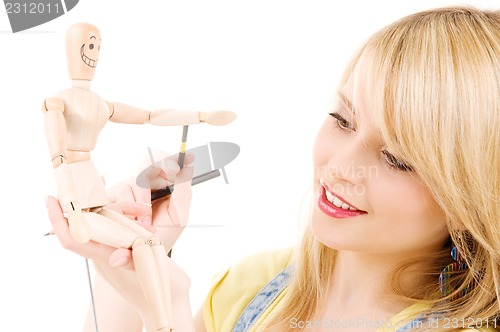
(219, 118)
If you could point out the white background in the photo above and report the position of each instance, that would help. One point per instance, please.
(275, 63)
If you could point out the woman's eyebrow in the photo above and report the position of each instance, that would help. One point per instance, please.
(347, 102)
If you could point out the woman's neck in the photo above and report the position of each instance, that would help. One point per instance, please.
(360, 288)
(359, 277)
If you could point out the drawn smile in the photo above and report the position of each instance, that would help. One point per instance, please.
(88, 61)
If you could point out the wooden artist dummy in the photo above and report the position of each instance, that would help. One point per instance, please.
(73, 120)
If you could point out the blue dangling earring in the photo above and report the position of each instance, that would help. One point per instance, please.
(444, 278)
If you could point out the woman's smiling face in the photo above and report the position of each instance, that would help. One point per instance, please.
(367, 199)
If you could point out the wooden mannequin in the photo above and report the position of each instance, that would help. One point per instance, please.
(73, 120)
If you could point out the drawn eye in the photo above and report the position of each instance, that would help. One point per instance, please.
(91, 46)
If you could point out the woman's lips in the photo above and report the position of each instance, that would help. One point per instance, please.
(333, 211)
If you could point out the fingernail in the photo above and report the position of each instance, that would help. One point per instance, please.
(147, 220)
(171, 165)
(120, 261)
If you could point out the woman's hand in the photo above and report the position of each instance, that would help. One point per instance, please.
(123, 278)
(166, 218)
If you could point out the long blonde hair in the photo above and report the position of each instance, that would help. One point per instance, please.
(434, 84)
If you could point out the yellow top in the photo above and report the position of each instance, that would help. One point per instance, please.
(235, 287)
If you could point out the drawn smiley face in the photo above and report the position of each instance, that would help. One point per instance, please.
(83, 44)
(89, 52)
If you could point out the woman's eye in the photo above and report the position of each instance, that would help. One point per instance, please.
(341, 122)
(395, 163)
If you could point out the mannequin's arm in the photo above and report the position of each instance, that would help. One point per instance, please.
(55, 129)
(122, 113)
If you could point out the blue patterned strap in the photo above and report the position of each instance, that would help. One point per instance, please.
(262, 301)
(413, 324)
(266, 296)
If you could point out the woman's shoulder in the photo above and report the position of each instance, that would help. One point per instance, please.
(261, 266)
(252, 273)
(236, 286)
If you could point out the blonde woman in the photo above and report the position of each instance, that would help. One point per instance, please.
(404, 230)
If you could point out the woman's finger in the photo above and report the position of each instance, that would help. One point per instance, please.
(121, 192)
(130, 208)
(180, 200)
(121, 257)
(158, 175)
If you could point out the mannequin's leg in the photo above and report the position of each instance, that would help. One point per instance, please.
(148, 273)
